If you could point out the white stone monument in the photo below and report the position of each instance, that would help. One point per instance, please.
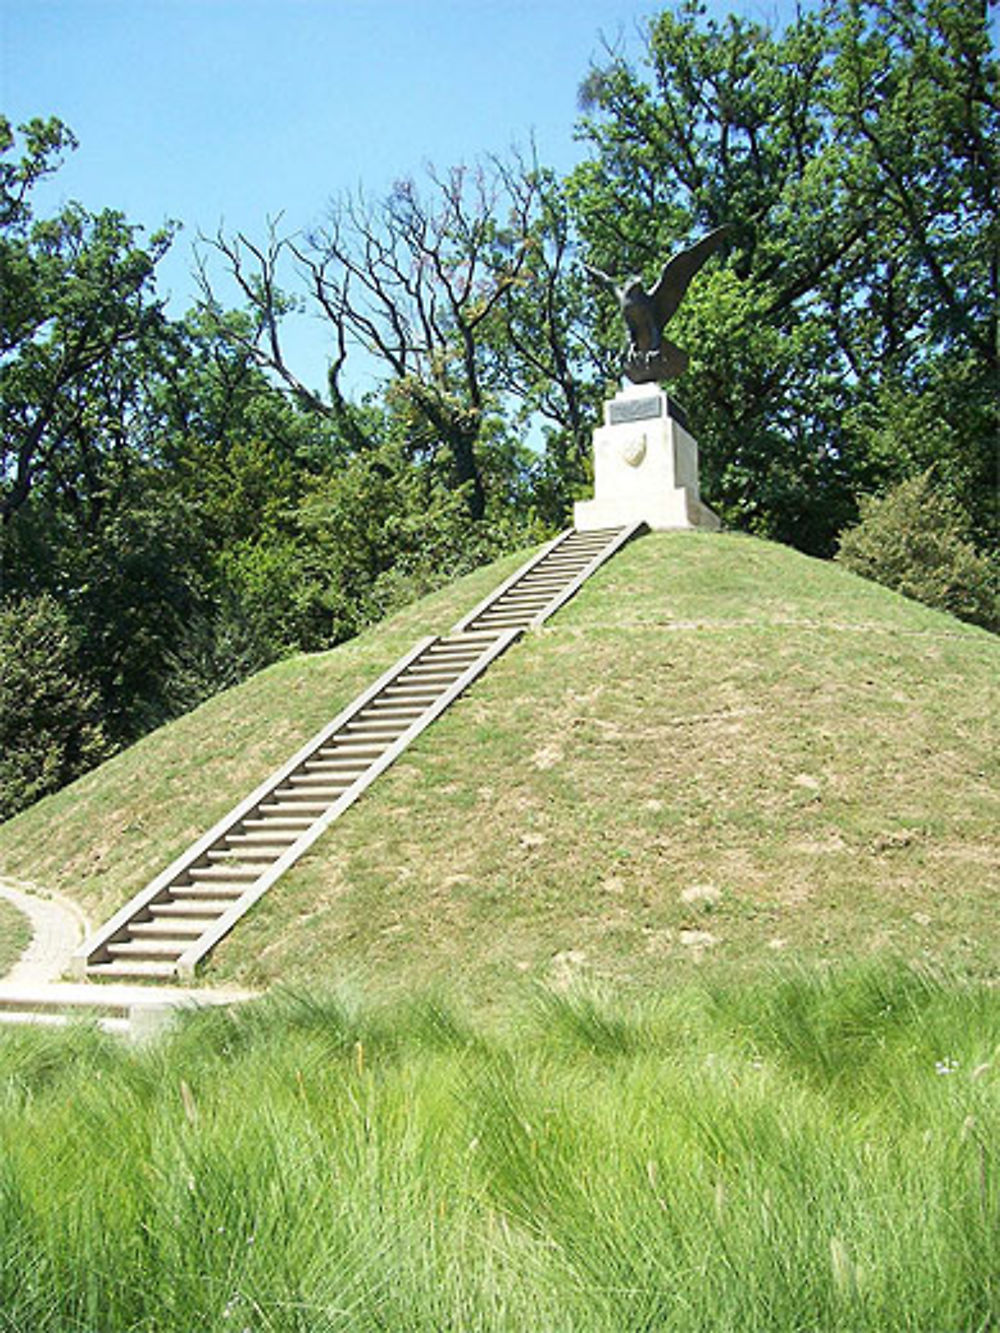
(645, 467)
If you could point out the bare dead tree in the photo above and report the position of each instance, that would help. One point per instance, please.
(541, 354)
(450, 285)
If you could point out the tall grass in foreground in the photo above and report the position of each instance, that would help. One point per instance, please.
(811, 1153)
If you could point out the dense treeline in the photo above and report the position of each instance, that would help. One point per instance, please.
(178, 508)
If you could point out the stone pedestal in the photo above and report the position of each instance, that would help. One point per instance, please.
(645, 467)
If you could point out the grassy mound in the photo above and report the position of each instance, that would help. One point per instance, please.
(721, 752)
(810, 1153)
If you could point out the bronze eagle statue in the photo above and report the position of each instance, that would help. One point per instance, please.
(650, 356)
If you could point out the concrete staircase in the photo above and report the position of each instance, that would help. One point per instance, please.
(173, 923)
(538, 589)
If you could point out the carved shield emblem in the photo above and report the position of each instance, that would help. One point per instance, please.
(634, 450)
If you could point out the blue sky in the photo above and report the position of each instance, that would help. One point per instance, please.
(227, 112)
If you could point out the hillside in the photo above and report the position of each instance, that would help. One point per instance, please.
(720, 754)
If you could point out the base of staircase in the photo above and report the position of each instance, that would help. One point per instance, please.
(134, 1012)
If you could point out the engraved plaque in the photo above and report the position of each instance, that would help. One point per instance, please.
(634, 409)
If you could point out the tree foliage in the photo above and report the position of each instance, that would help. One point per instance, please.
(77, 316)
(50, 728)
(855, 153)
(915, 540)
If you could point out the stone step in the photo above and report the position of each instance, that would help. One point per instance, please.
(425, 699)
(206, 892)
(438, 651)
(352, 747)
(520, 599)
(432, 671)
(276, 823)
(148, 951)
(132, 968)
(505, 620)
(542, 588)
(551, 584)
(196, 909)
(372, 732)
(294, 804)
(315, 786)
(359, 753)
(228, 874)
(272, 837)
(328, 787)
(74, 997)
(330, 777)
(564, 573)
(247, 855)
(515, 606)
(403, 715)
(436, 682)
(512, 617)
(458, 639)
(411, 693)
(296, 801)
(336, 759)
(456, 657)
(333, 782)
(546, 589)
(172, 928)
(385, 701)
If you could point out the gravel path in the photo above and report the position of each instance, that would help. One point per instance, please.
(58, 927)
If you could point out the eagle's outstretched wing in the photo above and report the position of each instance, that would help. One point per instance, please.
(678, 271)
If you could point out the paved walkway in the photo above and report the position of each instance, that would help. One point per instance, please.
(58, 926)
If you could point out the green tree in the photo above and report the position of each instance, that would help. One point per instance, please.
(915, 540)
(136, 453)
(855, 154)
(387, 528)
(50, 730)
(77, 308)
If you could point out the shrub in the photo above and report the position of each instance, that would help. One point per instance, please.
(914, 539)
(49, 728)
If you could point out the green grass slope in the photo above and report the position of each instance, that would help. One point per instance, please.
(720, 754)
(15, 935)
